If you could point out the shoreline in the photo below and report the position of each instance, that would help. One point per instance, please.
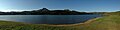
(77, 24)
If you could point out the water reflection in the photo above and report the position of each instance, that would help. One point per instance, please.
(48, 19)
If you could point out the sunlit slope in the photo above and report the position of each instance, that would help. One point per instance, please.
(106, 23)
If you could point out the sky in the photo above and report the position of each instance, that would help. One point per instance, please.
(77, 5)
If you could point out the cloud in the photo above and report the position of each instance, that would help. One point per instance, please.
(13, 10)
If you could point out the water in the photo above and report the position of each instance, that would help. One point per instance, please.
(48, 19)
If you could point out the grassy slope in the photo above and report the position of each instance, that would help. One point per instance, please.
(105, 23)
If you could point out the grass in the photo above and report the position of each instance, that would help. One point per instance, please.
(111, 22)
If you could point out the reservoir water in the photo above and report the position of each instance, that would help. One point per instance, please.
(48, 19)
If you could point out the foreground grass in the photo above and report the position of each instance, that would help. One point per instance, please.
(105, 23)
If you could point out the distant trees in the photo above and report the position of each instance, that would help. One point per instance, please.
(118, 11)
(45, 11)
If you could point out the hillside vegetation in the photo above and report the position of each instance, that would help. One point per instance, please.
(45, 11)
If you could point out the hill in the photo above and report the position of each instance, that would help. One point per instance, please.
(45, 11)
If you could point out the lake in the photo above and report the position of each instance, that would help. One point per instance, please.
(48, 19)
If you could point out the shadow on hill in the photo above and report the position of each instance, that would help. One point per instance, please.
(45, 11)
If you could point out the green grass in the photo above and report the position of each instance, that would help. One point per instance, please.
(106, 23)
(111, 22)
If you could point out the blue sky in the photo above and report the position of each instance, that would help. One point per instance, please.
(78, 5)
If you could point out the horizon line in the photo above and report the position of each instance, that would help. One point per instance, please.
(14, 10)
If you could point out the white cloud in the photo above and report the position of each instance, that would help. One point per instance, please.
(13, 10)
